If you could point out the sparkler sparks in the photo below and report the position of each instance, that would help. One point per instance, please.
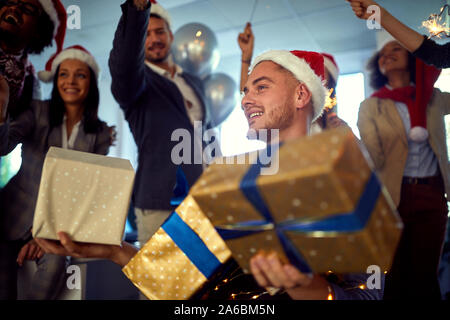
(435, 24)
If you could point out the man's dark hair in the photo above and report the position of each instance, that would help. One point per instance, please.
(377, 80)
(90, 115)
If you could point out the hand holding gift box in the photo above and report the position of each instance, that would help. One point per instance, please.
(85, 195)
(324, 210)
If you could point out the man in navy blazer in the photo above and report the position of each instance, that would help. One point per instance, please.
(157, 97)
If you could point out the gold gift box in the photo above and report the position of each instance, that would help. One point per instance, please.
(318, 177)
(162, 271)
(85, 195)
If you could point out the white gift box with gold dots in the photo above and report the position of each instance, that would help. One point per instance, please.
(85, 195)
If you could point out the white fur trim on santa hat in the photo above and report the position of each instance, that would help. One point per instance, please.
(383, 38)
(50, 9)
(331, 68)
(157, 9)
(302, 72)
(77, 54)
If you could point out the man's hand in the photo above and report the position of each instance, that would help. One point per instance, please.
(4, 98)
(246, 41)
(333, 121)
(30, 251)
(66, 247)
(140, 4)
(360, 7)
(269, 271)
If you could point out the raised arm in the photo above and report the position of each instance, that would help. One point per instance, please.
(246, 41)
(409, 38)
(126, 60)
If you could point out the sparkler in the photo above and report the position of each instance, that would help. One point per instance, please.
(435, 24)
(329, 101)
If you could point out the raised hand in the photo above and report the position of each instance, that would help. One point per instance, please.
(140, 4)
(360, 8)
(246, 41)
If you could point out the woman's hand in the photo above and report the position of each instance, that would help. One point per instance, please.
(66, 247)
(333, 121)
(30, 251)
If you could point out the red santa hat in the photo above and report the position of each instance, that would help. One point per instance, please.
(157, 9)
(307, 67)
(74, 52)
(57, 13)
(331, 66)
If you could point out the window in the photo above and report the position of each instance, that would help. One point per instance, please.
(350, 94)
(443, 83)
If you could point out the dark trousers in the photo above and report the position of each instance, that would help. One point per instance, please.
(8, 268)
(423, 209)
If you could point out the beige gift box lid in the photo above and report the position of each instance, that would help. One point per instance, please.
(85, 195)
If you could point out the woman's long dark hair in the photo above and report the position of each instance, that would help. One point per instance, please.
(377, 80)
(91, 123)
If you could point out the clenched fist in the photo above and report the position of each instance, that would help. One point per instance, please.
(246, 42)
(360, 8)
(140, 4)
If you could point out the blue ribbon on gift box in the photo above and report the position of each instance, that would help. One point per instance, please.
(344, 222)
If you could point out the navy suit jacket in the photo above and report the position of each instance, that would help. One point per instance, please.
(154, 108)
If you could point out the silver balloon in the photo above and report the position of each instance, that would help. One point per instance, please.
(222, 95)
(195, 49)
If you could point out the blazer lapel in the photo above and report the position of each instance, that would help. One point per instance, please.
(55, 137)
(84, 141)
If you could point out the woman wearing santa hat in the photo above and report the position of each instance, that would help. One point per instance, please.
(402, 126)
(68, 120)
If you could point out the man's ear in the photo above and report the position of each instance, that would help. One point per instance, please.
(302, 96)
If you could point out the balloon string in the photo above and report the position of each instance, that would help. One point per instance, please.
(255, 3)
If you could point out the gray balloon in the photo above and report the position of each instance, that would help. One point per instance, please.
(195, 49)
(222, 95)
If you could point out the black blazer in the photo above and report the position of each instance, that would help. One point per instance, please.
(154, 108)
